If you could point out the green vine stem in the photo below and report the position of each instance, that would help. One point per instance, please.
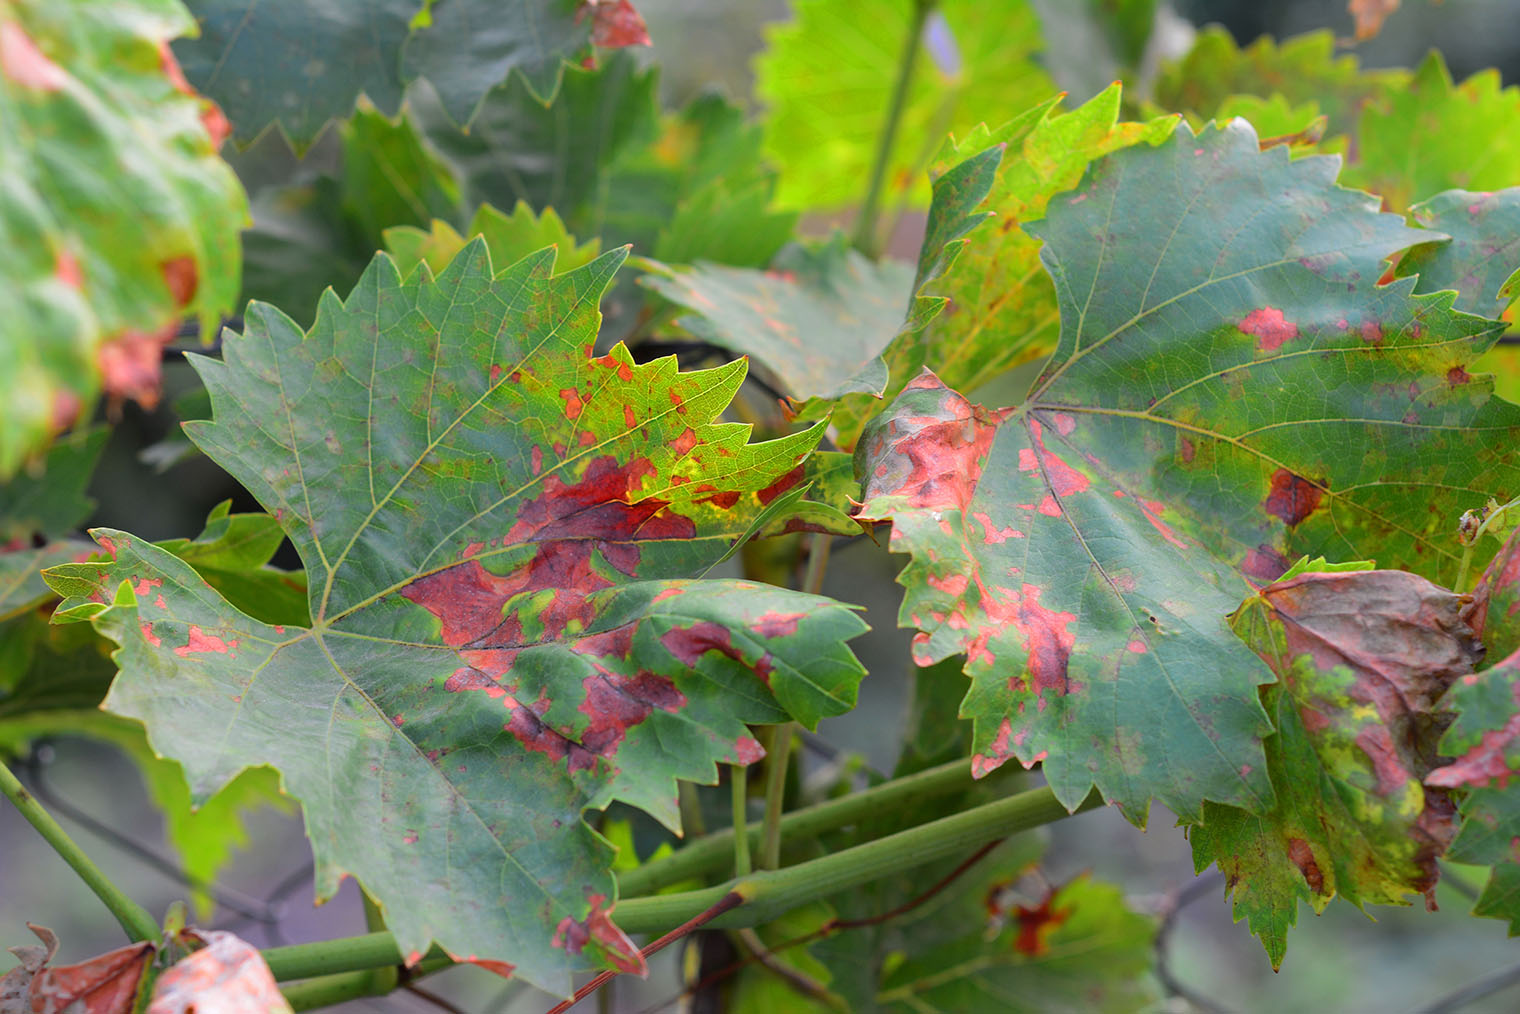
(132, 916)
(866, 239)
(327, 990)
(738, 783)
(764, 894)
(710, 855)
(775, 795)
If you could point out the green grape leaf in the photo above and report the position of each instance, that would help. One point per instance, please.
(61, 674)
(688, 186)
(117, 218)
(500, 531)
(389, 177)
(300, 65)
(556, 155)
(39, 508)
(320, 230)
(1480, 256)
(1361, 657)
(1495, 609)
(509, 238)
(1222, 398)
(1001, 306)
(818, 318)
(1077, 948)
(1301, 70)
(827, 78)
(1405, 150)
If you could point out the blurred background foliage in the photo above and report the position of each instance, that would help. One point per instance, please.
(369, 183)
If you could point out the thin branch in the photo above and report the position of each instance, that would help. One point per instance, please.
(429, 996)
(1204, 885)
(793, 977)
(1494, 982)
(132, 916)
(251, 909)
(731, 900)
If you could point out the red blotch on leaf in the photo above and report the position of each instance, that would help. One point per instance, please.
(24, 63)
(1264, 563)
(1036, 923)
(201, 642)
(1269, 328)
(1292, 498)
(615, 24)
(131, 364)
(1302, 856)
(180, 275)
(781, 485)
(67, 270)
(574, 934)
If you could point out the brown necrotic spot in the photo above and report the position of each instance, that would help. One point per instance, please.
(1291, 497)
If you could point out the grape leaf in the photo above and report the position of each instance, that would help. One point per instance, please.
(1483, 741)
(1302, 69)
(321, 229)
(519, 149)
(38, 511)
(1077, 948)
(227, 975)
(105, 984)
(117, 218)
(300, 65)
(60, 674)
(684, 187)
(827, 76)
(1361, 659)
(499, 529)
(1082, 548)
(1002, 307)
(509, 238)
(818, 318)
(390, 177)
(1483, 251)
(1404, 148)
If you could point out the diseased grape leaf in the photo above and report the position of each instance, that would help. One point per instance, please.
(301, 65)
(818, 317)
(827, 77)
(1001, 305)
(227, 975)
(1361, 657)
(1231, 388)
(1404, 149)
(509, 238)
(1077, 948)
(105, 984)
(52, 680)
(1482, 740)
(117, 218)
(499, 530)
(1482, 253)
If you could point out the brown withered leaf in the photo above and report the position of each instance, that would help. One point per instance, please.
(226, 976)
(105, 984)
(1363, 658)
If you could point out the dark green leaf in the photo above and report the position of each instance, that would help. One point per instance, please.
(499, 532)
(1484, 249)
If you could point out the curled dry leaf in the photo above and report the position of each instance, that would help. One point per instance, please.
(105, 984)
(226, 976)
(1362, 659)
